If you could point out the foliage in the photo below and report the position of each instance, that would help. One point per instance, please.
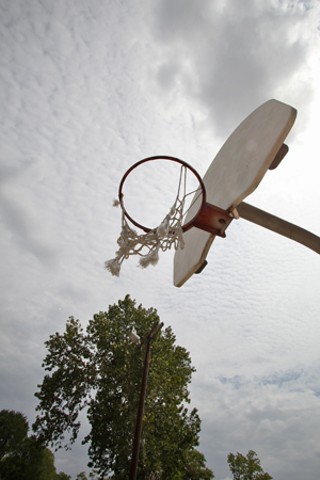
(63, 476)
(81, 476)
(247, 467)
(100, 371)
(13, 430)
(196, 467)
(23, 457)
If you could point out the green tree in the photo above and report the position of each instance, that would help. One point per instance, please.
(13, 431)
(196, 467)
(22, 457)
(247, 467)
(81, 476)
(63, 476)
(100, 370)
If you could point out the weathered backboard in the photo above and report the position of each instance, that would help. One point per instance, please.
(235, 172)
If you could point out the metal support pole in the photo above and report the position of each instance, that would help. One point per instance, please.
(289, 230)
(138, 427)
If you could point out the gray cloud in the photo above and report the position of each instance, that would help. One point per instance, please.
(270, 419)
(90, 88)
(231, 57)
(25, 230)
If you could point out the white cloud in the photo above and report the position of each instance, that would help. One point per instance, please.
(87, 89)
(230, 57)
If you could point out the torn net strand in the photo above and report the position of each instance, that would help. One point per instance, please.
(147, 245)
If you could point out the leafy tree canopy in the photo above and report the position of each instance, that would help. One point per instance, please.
(13, 431)
(63, 476)
(100, 370)
(247, 467)
(23, 457)
(196, 467)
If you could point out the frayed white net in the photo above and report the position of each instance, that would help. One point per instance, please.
(147, 245)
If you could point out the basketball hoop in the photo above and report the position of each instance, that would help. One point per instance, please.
(255, 146)
(168, 234)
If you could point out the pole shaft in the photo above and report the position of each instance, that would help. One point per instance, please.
(289, 230)
(138, 428)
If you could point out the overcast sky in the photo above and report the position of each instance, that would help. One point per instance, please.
(87, 89)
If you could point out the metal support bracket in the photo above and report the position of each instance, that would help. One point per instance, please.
(213, 219)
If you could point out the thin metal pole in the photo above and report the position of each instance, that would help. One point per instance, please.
(142, 399)
(289, 230)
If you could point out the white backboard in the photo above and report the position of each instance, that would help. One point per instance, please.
(235, 172)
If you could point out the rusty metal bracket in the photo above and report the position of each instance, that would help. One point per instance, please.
(213, 219)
